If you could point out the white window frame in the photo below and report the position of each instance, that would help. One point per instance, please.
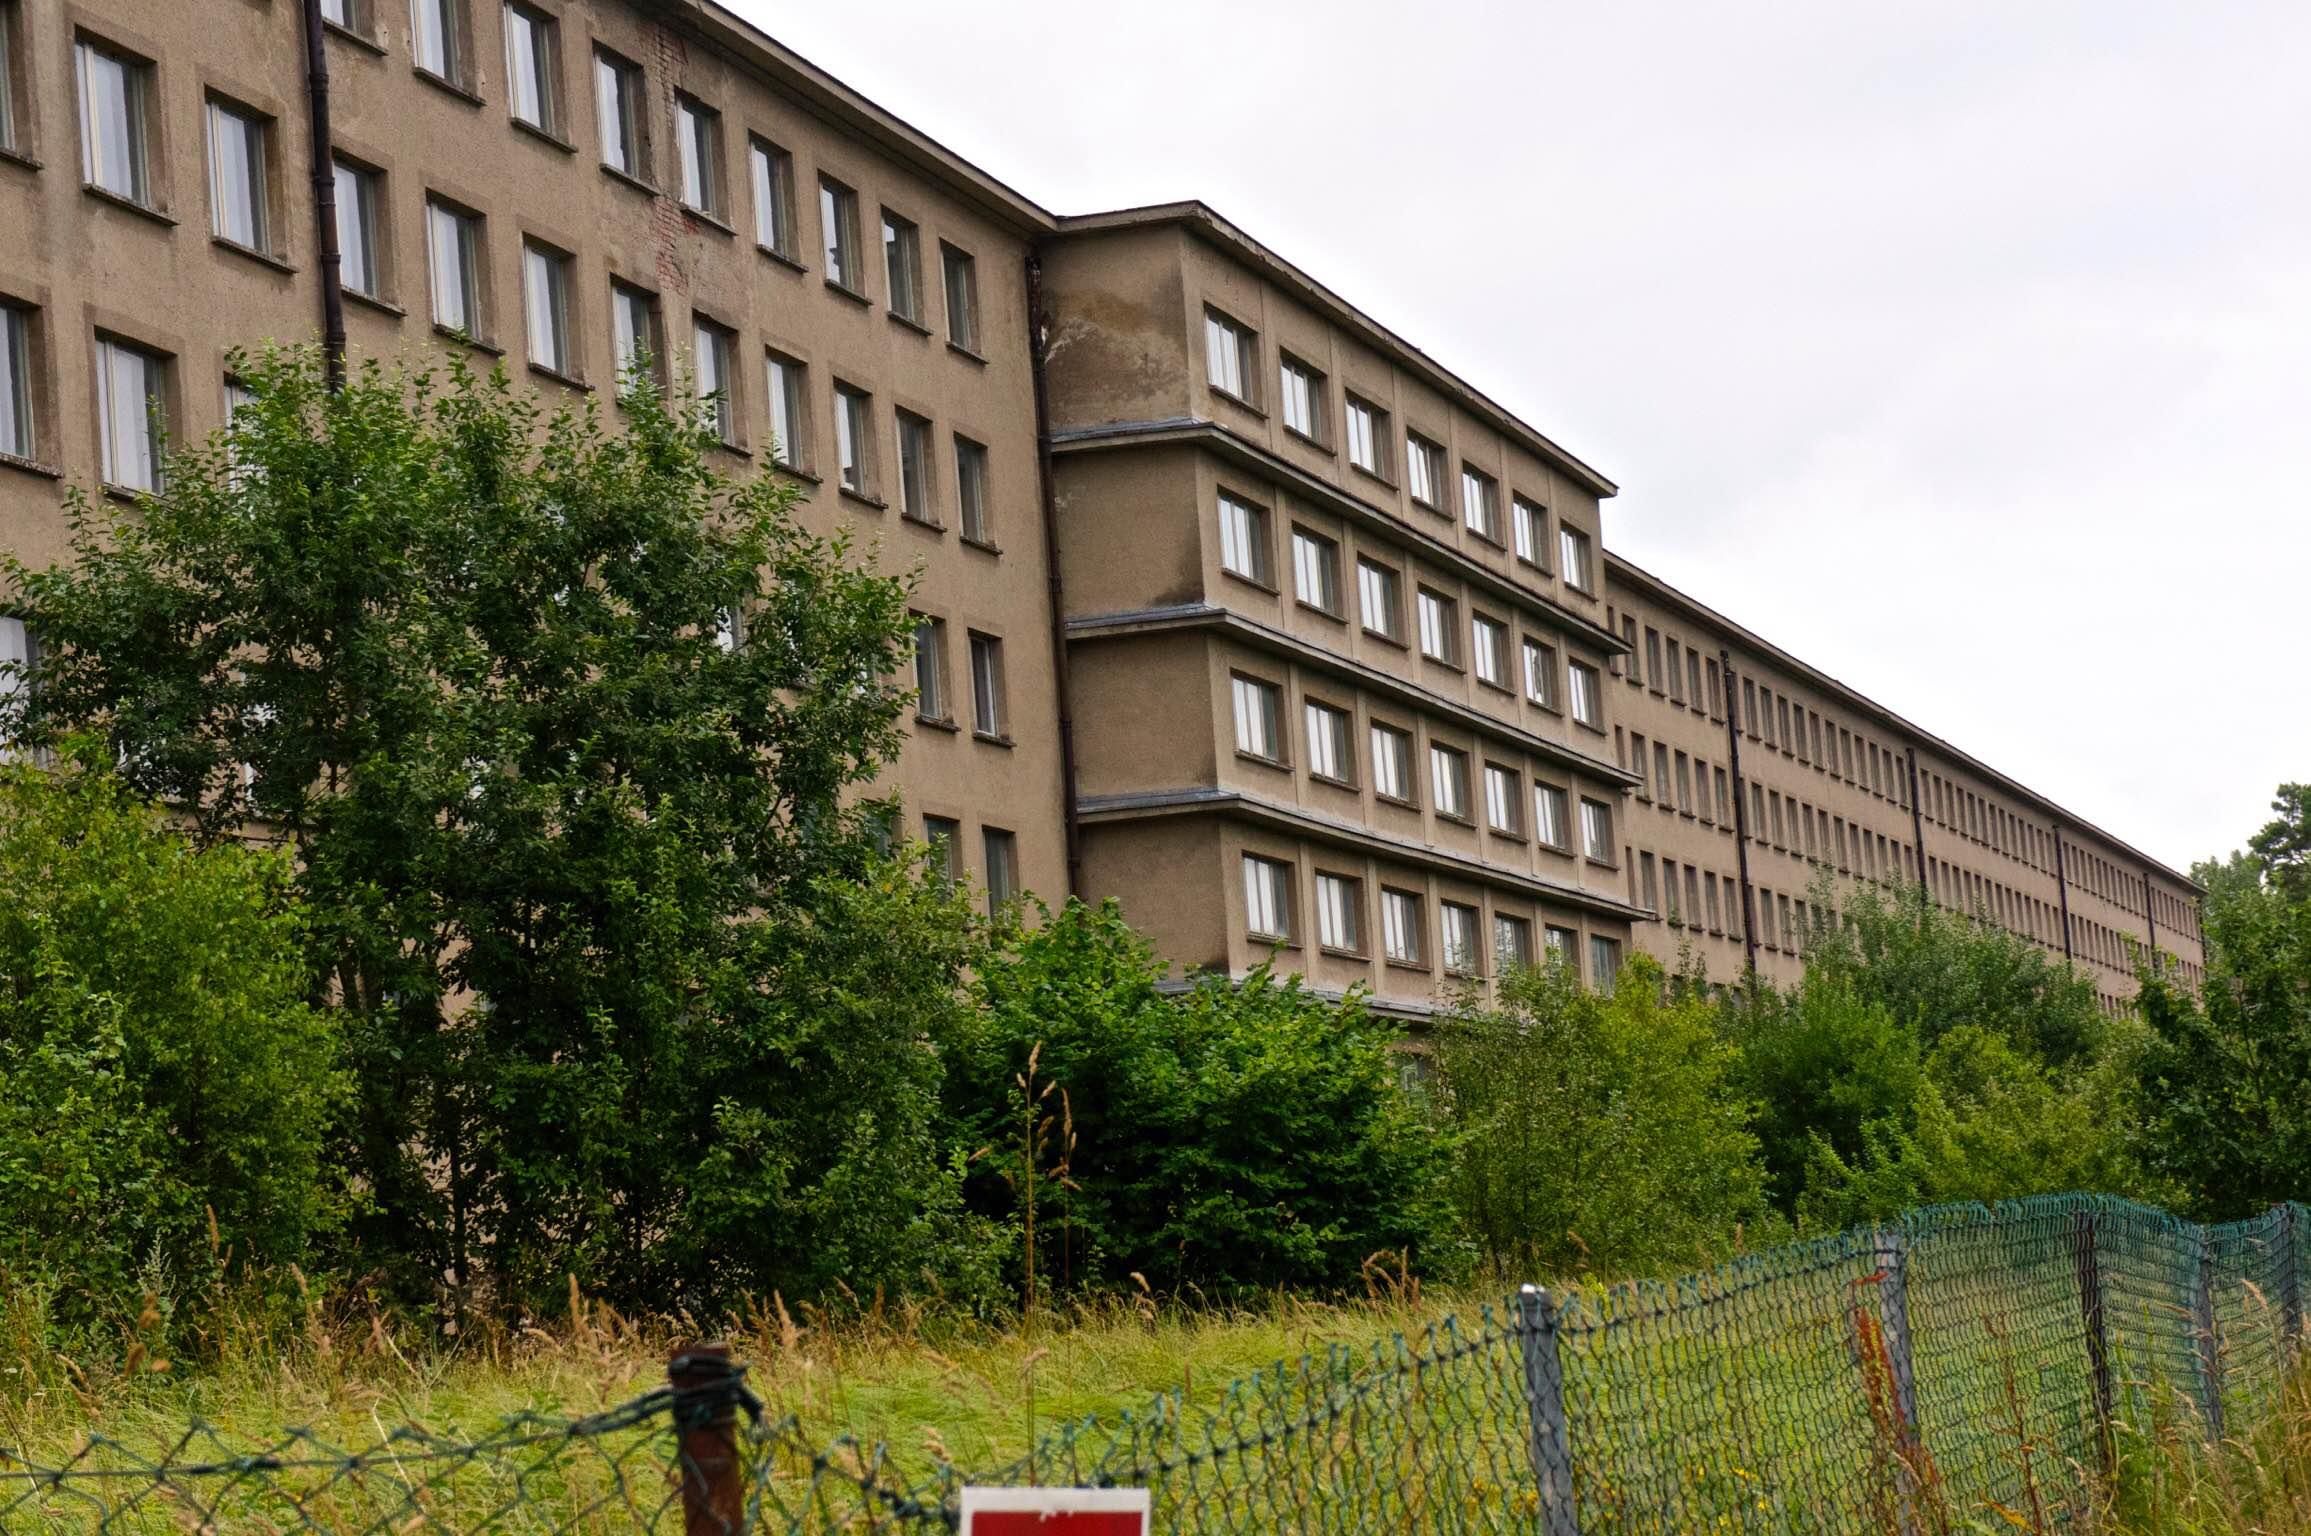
(1267, 898)
(1457, 926)
(771, 170)
(1316, 570)
(115, 156)
(1551, 813)
(1259, 710)
(130, 432)
(931, 670)
(1596, 831)
(1504, 800)
(1301, 389)
(240, 174)
(1439, 625)
(533, 96)
(1448, 786)
(1340, 913)
(1392, 763)
(1401, 922)
(453, 248)
(1330, 732)
(1229, 353)
(1480, 503)
(1585, 689)
(1367, 435)
(1489, 649)
(989, 706)
(1244, 540)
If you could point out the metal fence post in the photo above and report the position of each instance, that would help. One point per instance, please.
(2203, 1333)
(1893, 1253)
(1545, 1403)
(2084, 1228)
(2288, 1275)
(706, 1395)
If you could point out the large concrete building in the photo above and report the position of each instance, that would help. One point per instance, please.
(1232, 603)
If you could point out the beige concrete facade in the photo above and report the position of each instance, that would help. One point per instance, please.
(1350, 676)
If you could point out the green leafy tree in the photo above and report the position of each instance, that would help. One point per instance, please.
(1231, 1136)
(1598, 1129)
(2282, 849)
(159, 1067)
(567, 732)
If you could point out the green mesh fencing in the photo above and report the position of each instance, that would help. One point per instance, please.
(1961, 1361)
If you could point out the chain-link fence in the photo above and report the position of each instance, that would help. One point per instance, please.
(1883, 1379)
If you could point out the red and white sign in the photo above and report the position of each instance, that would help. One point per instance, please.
(1055, 1512)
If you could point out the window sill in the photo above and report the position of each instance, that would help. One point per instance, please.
(927, 524)
(628, 180)
(1395, 964)
(1343, 954)
(796, 472)
(1272, 940)
(938, 723)
(1237, 401)
(1307, 440)
(1503, 689)
(772, 253)
(1440, 661)
(1376, 477)
(18, 157)
(1276, 763)
(909, 322)
(1330, 782)
(446, 85)
(572, 380)
(1596, 863)
(1398, 801)
(984, 546)
(1506, 836)
(1545, 706)
(372, 301)
(467, 339)
(127, 494)
(360, 40)
(1590, 726)
(129, 204)
(709, 218)
(993, 740)
(30, 466)
(972, 354)
(1384, 637)
(1534, 566)
(1254, 582)
(545, 136)
(850, 293)
(724, 445)
(864, 499)
(251, 253)
(1431, 508)
(1458, 821)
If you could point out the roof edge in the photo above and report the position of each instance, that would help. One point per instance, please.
(1201, 218)
(1618, 566)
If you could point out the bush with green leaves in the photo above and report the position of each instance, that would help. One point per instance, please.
(1224, 1136)
(570, 736)
(165, 1090)
(1598, 1130)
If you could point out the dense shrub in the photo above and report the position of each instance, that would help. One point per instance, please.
(1594, 1129)
(159, 1068)
(1228, 1136)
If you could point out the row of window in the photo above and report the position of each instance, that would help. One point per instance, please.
(1272, 916)
(1329, 740)
(1232, 365)
(998, 858)
(1247, 551)
(934, 705)
(132, 395)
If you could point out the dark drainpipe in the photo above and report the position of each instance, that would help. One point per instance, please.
(1038, 338)
(1740, 809)
(2150, 919)
(324, 196)
(1917, 829)
(2062, 890)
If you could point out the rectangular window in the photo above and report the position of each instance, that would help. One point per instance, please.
(532, 94)
(16, 436)
(1267, 897)
(1228, 356)
(1684, 784)
(1604, 960)
(1503, 799)
(1243, 539)
(634, 331)
(786, 387)
(1329, 754)
(239, 201)
(1340, 913)
(1587, 694)
(838, 213)
(1259, 717)
(1303, 389)
(903, 266)
(1549, 816)
(546, 307)
(698, 140)
(1653, 656)
(1400, 926)
(961, 274)
(1480, 503)
(931, 669)
(1001, 850)
(1379, 594)
(453, 244)
(1489, 645)
(1561, 946)
(946, 840)
(436, 40)
(131, 386)
(1316, 571)
(357, 232)
(1367, 437)
(1512, 944)
(1439, 626)
(987, 709)
(1448, 781)
(1392, 763)
(851, 412)
(1424, 471)
(915, 488)
(772, 169)
(971, 494)
(1573, 559)
(713, 351)
(10, 137)
(1531, 527)
(1456, 925)
(618, 102)
(1597, 830)
(115, 121)
(1540, 673)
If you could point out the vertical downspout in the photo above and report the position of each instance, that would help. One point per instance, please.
(2150, 919)
(324, 197)
(1038, 335)
(2062, 890)
(1917, 828)
(1740, 810)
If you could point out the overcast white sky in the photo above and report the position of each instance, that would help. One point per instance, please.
(1962, 349)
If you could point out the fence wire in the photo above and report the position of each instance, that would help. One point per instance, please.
(1962, 1360)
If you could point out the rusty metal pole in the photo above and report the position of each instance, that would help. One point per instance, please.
(706, 1431)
